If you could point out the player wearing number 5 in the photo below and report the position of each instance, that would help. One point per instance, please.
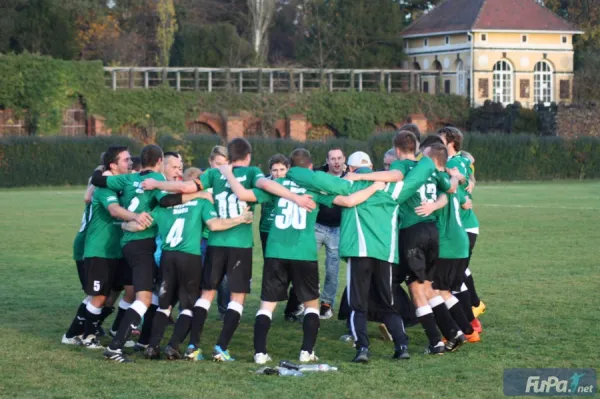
(181, 265)
(292, 225)
(229, 252)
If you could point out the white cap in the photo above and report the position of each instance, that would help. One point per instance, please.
(359, 159)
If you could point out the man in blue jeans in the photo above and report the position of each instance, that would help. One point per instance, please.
(327, 232)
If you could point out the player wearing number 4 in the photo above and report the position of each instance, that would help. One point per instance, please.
(229, 252)
(292, 225)
(181, 265)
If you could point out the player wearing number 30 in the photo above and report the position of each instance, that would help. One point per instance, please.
(181, 265)
(229, 252)
(292, 225)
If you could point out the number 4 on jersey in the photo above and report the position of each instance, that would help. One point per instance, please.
(175, 235)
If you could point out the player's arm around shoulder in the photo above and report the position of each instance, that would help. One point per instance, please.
(388, 176)
(244, 194)
(217, 224)
(427, 208)
(360, 196)
(302, 200)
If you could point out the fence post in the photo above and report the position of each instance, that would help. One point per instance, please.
(210, 81)
(131, 79)
(330, 81)
(228, 84)
(292, 83)
(271, 82)
(301, 82)
(164, 76)
(389, 85)
(260, 80)
(178, 76)
(352, 79)
(241, 82)
(196, 79)
(381, 81)
(360, 81)
(146, 80)
(114, 79)
(413, 82)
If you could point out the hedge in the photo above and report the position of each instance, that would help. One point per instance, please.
(45, 87)
(37, 161)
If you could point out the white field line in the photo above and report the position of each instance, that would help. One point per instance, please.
(576, 208)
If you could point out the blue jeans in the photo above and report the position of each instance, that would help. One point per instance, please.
(223, 294)
(330, 237)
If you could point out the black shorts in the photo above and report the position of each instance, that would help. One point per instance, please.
(103, 275)
(278, 273)
(264, 236)
(449, 274)
(418, 248)
(140, 257)
(181, 275)
(235, 262)
(472, 241)
(81, 273)
(370, 280)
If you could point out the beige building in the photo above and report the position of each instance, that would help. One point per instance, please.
(498, 50)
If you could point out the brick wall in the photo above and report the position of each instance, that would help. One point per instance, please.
(578, 120)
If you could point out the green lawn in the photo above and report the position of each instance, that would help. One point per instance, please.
(534, 266)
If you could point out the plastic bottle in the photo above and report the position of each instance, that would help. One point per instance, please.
(288, 365)
(289, 372)
(317, 367)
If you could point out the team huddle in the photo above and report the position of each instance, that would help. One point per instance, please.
(168, 239)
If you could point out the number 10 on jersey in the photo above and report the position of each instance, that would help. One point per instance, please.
(229, 205)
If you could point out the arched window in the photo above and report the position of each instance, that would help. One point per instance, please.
(503, 82)
(542, 83)
(460, 78)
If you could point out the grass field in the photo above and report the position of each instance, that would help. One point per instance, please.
(535, 266)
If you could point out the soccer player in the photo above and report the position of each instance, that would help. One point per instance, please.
(229, 252)
(104, 262)
(173, 166)
(136, 164)
(138, 247)
(278, 166)
(370, 244)
(327, 231)
(181, 265)
(388, 158)
(282, 266)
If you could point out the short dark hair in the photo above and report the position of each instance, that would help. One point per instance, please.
(453, 135)
(405, 141)
(430, 140)
(333, 148)
(279, 158)
(151, 155)
(136, 164)
(238, 149)
(439, 152)
(301, 158)
(172, 154)
(414, 129)
(112, 155)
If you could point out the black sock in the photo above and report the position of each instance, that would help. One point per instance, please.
(198, 321)
(394, 324)
(159, 326)
(106, 311)
(445, 321)
(118, 319)
(292, 304)
(310, 326)
(262, 324)
(130, 321)
(358, 324)
(472, 292)
(182, 328)
(77, 325)
(230, 324)
(91, 323)
(427, 320)
(147, 325)
(459, 316)
(465, 302)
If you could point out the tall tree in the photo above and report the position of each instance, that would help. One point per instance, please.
(165, 31)
(261, 15)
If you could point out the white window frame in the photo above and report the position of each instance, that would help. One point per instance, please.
(543, 75)
(503, 82)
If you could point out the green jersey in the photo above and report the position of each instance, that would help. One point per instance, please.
(470, 221)
(206, 231)
(292, 224)
(266, 217)
(228, 205)
(454, 242)
(136, 199)
(79, 243)
(371, 228)
(103, 232)
(426, 193)
(182, 225)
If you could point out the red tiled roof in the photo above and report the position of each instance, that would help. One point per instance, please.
(466, 15)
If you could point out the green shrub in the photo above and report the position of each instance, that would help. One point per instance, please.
(40, 161)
